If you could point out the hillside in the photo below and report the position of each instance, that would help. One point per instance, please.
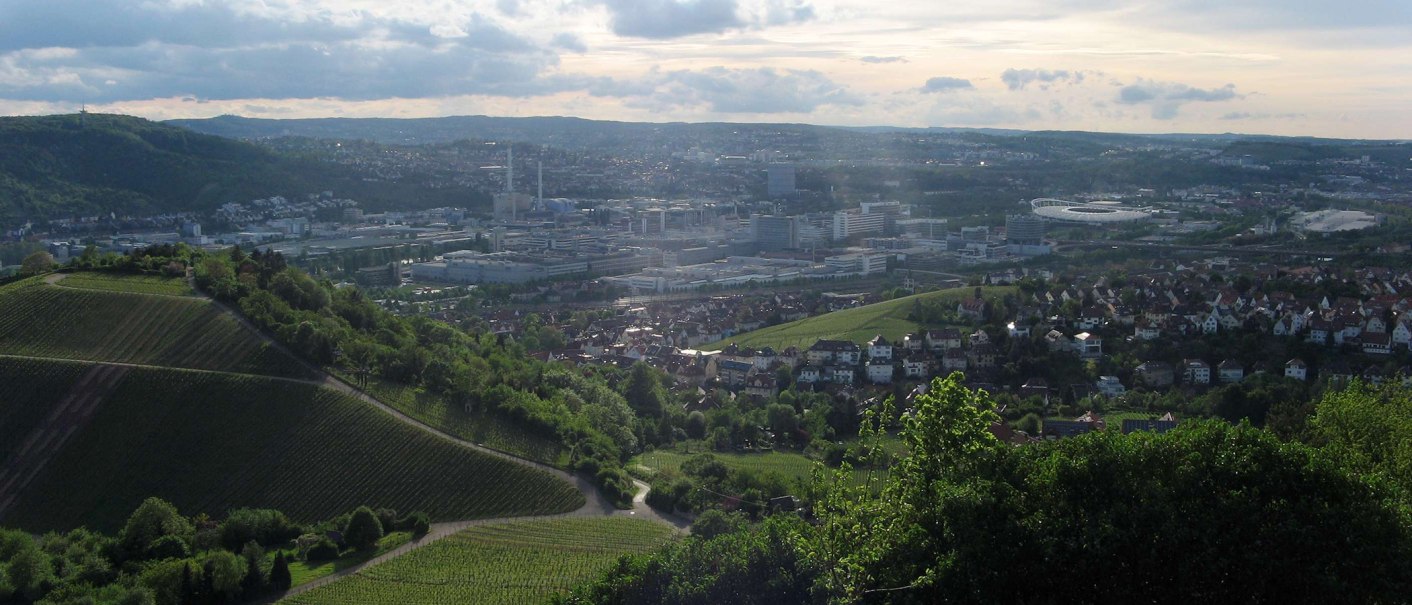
(114, 389)
(211, 442)
(523, 562)
(82, 322)
(66, 166)
(888, 318)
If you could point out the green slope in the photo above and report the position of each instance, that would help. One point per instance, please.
(212, 442)
(888, 318)
(41, 320)
(508, 564)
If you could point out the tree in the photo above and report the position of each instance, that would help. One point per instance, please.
(36, 263)
(643, 391)
(280, 578)
(153, 519)
(363, 530)
(254, 580)
(224, 572)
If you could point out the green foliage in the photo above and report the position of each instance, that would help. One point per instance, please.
(122, 282)
(280, 578)
(154, 518)
(323, 550)
(266, 527)
(169, 547)
(363, 530)
(519, 562)
(1369, 428)
(419, 523)
(716, 522)
(39, 262)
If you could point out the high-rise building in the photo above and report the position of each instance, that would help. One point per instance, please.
(848, 224)
(775, 232)
(779, 180)
(1024, 230)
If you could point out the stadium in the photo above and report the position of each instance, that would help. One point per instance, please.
(1091, 213)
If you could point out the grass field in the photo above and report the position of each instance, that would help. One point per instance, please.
(136, 284)
(69, 323)
(481, 427)
(303, 572)
(888, 318)
(502, 564)
(210, 443)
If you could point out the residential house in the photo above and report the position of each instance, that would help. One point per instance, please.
(1155, 374)
(880, 372)
(733, 372)
(761, 385)
(1196, 371)
(835, 351)
(940, 341)
(1089, 346)
(913, 342)
(953, 360)
(1377, 343)
(1018, 330)
(810, 374)
(1296, 369)
(1145, 329)
(917, 366)
(880, 348)
(1110, 386)
(1160, 425)
(1230, 371)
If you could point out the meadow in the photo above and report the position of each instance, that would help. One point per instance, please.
(500, 564)
(209, 443)
(41, 320)
(860, 324)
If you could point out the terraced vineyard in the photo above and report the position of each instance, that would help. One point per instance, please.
(510, 563)
(41, 320)
(488, 429)
(137, 284)
(211, 442)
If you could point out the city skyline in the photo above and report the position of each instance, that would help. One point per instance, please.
(1314, 68)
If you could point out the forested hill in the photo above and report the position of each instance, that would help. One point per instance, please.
(69, 165)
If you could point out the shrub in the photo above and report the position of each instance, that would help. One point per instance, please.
(168, 547)
(364, 530)
(419, 523)
(323, 550)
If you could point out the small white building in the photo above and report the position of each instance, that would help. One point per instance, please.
(1296, 369)
(880, 372)
(1110, 386)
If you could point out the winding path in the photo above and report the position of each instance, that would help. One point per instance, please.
(595, 505)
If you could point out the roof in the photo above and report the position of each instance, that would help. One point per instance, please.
(1157, 426)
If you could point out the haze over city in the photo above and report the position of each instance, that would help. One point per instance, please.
(1333, 69)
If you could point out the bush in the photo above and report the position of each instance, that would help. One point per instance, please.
(364, 530)
(323, 550)
(419, 523)
(280, 578)
(168, 547)
(716, 522)
(388, 518)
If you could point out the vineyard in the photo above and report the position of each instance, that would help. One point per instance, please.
(511, 563)
(28, 390)
(68, 323)
(211, 442)
(482, 427)
(136, 284)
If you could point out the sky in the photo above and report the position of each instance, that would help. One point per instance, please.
(1288, 67)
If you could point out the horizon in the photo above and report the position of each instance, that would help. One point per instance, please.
(1323, 69)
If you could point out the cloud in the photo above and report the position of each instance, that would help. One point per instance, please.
(1018, 79)
(1166, 98)
(872, 59)
(671, 18)
(665, 19)
(945, 84)
(569, 42)
(734, 91)
(1245, 115)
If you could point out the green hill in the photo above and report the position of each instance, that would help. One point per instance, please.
(889, 318)
(512, 563)
(57, 321)
(210, 442)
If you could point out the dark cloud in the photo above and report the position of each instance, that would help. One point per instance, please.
(124, 51)
(945, 84)
(663, 19)
(1018, 79)
(569, 42)
(872, 59)
(671, 18)
(1166, 98)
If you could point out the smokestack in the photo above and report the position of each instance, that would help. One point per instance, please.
(541, 184)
